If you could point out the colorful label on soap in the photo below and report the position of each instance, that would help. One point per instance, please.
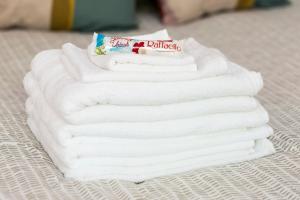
(108, 45)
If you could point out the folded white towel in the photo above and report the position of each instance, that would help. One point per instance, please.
(125, 62)
(158, 35)
(64, 132)
(76, 147)
(113, 168)
(116, 113)
(139, 125)
(209, 62)
(69, 95)
(142, 63)
(72, 156)
(262, 148)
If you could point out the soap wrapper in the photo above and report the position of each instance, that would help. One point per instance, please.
(109, 45)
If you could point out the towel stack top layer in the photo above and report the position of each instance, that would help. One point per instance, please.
(100, 116)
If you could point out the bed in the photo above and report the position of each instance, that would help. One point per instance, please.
(266, 41)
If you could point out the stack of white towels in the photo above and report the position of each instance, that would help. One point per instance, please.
(136, 117)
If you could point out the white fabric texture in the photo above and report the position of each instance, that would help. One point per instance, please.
(158, 35)
(99, 124)
(262, 148)
(209, 62)
(178, 127)
(135, 147)
(69, 95)
(116, 113)
(142, 63)
(87, 170)
(64, 133)
(121, 168)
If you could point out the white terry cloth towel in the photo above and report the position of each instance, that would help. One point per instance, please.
(68, 95)
(116, 113)
(158, 35)
(189, 147)
(143, 62)
(64, 132)
(262, 148)
(76, 148)
(146, 167)
(209, 62)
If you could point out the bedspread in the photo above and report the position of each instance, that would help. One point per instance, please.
(266, 41)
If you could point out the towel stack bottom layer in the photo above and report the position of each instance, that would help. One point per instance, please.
(108, 127)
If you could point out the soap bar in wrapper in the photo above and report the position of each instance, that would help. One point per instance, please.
(109, 45)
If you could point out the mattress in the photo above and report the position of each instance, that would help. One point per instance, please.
(263, 40)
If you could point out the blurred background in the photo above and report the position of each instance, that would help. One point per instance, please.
(100, 15)
(247, 31)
